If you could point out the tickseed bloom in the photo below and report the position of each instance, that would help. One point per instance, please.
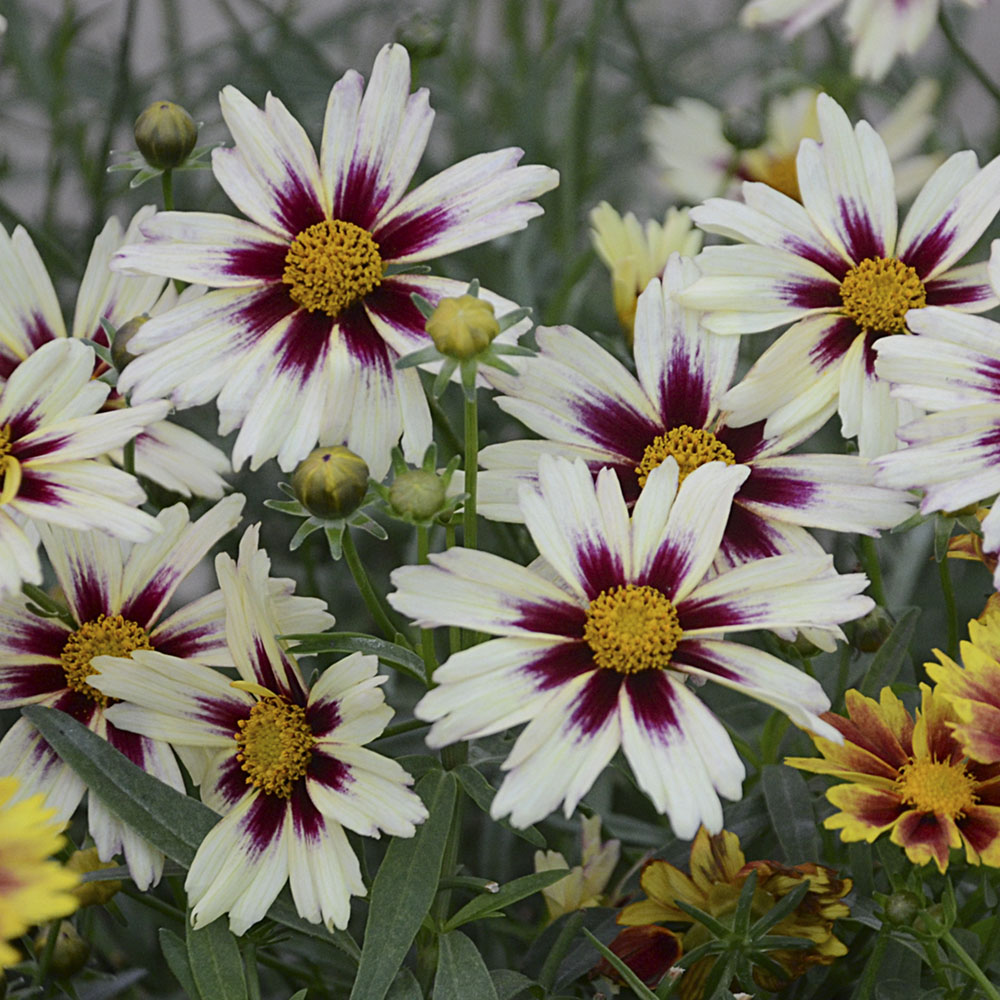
(599, 659)
(836, 267)
(689, 143)
(974, 692)
(718, 872)
(583, 403)
(879, 30)
(50, 437)
(909, 777)
(117, 598)
(636, 254)
(32, 887)
(284, 765)
(310, 311)
(170, 455)
(953, 453)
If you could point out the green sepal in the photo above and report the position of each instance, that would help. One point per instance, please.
(216, 963)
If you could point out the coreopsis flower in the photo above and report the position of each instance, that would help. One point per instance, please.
(839, 269)
(636, 254)
(969, 545)
(50, 438)
(584, 883)
(286, 766)
(583, 403)
(910, 778)
(719, 870)
(594, 649)
(309, 311)
(973, 689)
(117, 598)
(879, 30)
(166, 453)
(689, 143)
(651, 952)
(951, 369)
(33, 888)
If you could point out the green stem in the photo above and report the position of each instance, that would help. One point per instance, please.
(643, 69)
(426, 634)
(45, 959)
(471, 469)
(375, 607)
(167, 183)
(559, 950)
(934, 961)
(967, 963)
(443, 424)
(128, 457)
(38, 596)
(454, 633)
(873, 966)
(150, 900)
(250, 961)
(963, 57)
(402, 727)
(948, 592)
(869, 562)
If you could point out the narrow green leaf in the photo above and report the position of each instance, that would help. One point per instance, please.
(943, 527)
(301, 995)
(519, 888)
(789, 805)
(175, 952)
(461, 971)
(887, 661)
(216, 963)
(509, 984)
(109, 987)
(404, 889)
(405, 987)
(481, 792)
(390, 653)
(642, 991)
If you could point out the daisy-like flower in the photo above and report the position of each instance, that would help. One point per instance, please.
(598, 659)
(286, 767)
(879, 30)
(309, 314)
(836, 267)
(170, 455)
(32, 887)
(117, 597)
(718, 872)
(50, 438)
(974, 692)
(953, 453)
(584, 403)
(636, 254)
(689, 144)
(911, 778)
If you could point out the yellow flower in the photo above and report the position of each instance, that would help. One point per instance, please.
(634, 255)
(970, 545)
(32, 888)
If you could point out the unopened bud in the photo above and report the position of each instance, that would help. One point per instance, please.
(462, 327)
(120, 354)
(873, 629)
(165, 134)
(92, 893)
(417, 493)
(423, 36)
(744, 128)
(71, 951)
(901, 908)
(331, 482)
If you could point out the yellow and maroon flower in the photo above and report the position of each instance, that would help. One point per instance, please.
(910, 777)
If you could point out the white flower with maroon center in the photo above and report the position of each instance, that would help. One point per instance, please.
(300, 337)
(583, 403)
(838, 269)
(117, 597)
(50, 437)
(285, 766)
(599, 659)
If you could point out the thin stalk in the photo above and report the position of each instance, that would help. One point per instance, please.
(872, 967)
(128, 457)
(559, 950)
(870, 564)
(250, 961)
(967, 963)
(167, 183)
(45, 959)
(963, 56)
(38, 596)
(934, 961)
(948, 592)
(376, 609)
(454, 633)
(402, 727)
(643, 69)
(443, 424)
(148, 899)
(471, 469)
(426, 634)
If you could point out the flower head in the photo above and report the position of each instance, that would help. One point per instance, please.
(910, 777)
(285, 766)
(594, 650)
(310, 310)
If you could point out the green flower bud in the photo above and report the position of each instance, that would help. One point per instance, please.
(417, 493)
(462, 327)
(331, 482)
(120, 354)
(872, 630)
(901, 908)
(744, 128)
(71, 951)
(422, 36)
(165, 134)
(92, 893)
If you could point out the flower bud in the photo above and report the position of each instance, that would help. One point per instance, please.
(462, 327)
(901, 908)
(71, 951)
(120, 354)
(92, 893)
(423, 36)
(417, 493)
(872, 630)
(165, 134)
(331, 482)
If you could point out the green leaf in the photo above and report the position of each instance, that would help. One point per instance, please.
(887, 661)
(301, 995)
(509, 984)
(519, 888)
(216, 963)
(405, 987)
(943, 527)
(390, 653)
(481, 792)
(404, 889)
(642, 991)
(461, 971)
(175, 952)
(789, 805)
